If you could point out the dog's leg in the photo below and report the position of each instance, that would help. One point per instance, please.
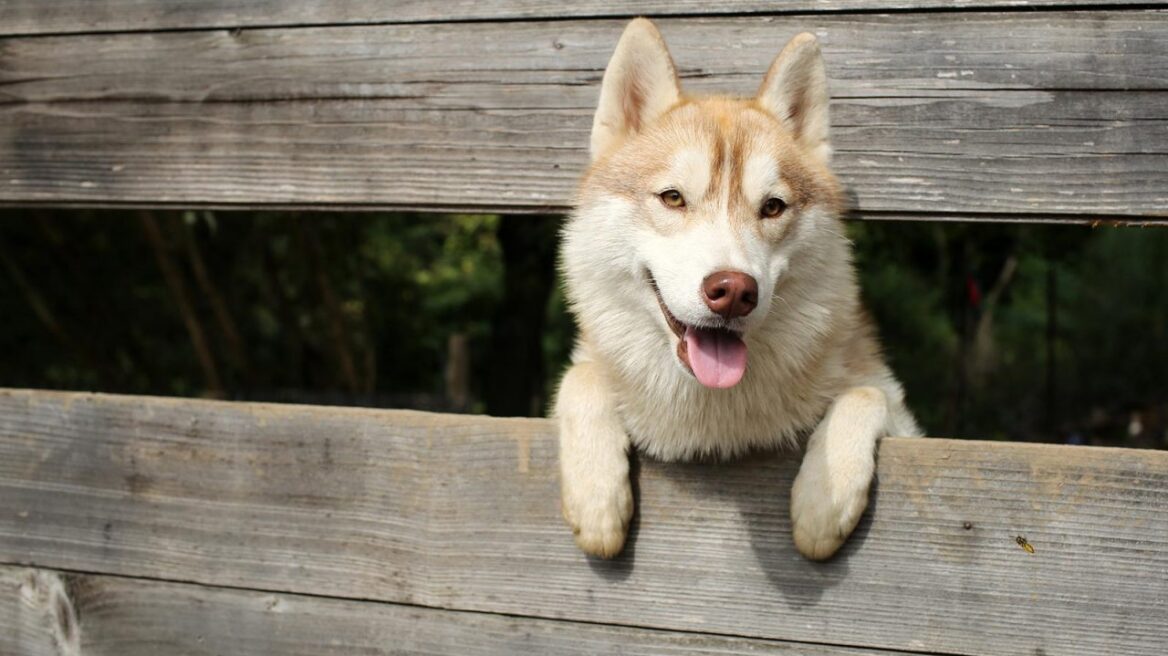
(596, 498)
(831, 490)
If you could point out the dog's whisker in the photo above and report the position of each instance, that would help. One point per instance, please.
(837, 234)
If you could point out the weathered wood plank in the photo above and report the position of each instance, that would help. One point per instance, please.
(133, 617)
(461, 512)
(976, 115)
(36, 615)
(345, 154)
(71, 16)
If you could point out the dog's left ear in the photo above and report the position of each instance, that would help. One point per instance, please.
(640, 84)
(795, 91)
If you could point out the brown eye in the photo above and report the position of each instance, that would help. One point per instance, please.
(672, 198)
(772, 208)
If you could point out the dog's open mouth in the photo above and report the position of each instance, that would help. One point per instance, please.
(715, 356)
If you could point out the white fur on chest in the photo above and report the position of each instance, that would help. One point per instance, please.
(684, 421)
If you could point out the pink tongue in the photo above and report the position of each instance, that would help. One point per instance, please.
(717, 357)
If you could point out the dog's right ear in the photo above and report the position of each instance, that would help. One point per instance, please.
(640, 84)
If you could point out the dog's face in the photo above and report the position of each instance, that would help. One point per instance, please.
(694, 208)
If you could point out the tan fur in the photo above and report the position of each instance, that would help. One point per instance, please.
(814, 366)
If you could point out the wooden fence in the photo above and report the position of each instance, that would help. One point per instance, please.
(133, 525)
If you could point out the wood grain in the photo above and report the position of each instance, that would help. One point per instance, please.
(461, 512)
(37, 617)
(931, 114)
(134, 617)
(66, 16)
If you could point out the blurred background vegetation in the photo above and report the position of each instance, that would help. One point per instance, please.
(999, 331)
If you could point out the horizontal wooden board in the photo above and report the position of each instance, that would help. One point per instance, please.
(935, 114)
(461, 512)
(72, 16)
(134, 617)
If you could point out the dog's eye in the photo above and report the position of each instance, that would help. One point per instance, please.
(772, 207)
(672, 198)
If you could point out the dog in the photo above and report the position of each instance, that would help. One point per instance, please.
(718, 310)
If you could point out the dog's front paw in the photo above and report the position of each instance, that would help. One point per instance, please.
(599, 512)
(826, 506)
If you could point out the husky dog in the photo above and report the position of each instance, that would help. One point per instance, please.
(713, 287)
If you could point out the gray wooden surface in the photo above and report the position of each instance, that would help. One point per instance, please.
(460, 512)
(1053, 115)
(135, 617)
(71, 16)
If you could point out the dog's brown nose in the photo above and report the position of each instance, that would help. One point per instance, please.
(730, 293)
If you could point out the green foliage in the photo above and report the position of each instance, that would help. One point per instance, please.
(1117, 301)
(899, 273)
(400, 284)
(360, 309)
(1008, 368)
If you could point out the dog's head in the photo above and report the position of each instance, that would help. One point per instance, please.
(693, 208)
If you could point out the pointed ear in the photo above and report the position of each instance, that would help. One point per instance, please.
(795, 91)
(640, 84)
